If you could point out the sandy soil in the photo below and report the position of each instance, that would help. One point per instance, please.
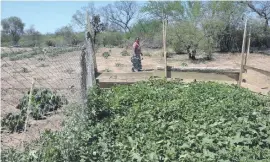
(62, 74)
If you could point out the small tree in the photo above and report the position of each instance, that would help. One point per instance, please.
(13, 27)
(98, 26)
(67, 33)
(33, 35)
(149, 31)
(79, 19)
(186, 38)
(121, 13)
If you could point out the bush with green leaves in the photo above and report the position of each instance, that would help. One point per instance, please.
(147, 54)
(110, 38)
(160, 121)
(106, 54)
(125, 53)
(13, 122)
(50, 43)
(183, 35)
(119, 64)
(42, 102)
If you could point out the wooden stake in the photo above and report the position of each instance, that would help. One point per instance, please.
(248, 47)
(91, 30)
(165, 48)
(29, 105)
(242, 54)
(164, 43)
(90, 55)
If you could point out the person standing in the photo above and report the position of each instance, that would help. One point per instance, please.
(136, 57)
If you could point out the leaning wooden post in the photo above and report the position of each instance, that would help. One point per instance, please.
(90, 61)
(248, 46)
(165, 55)
(91, 30)
(164, 43)
(242, 54)
(30, 97)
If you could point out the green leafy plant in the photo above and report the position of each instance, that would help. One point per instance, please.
(4, 54)
(107, 70)
(147, 54)
(106, 55)
(42, 102)
(13, 122)
(159, 120)
(50, 43)
(41, 59)
(184, 64)
(125, 53)
(119, 64)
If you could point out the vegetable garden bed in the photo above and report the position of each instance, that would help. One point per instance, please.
(162, 121)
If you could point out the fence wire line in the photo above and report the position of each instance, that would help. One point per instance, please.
(33, 71)
(50, 58)
(56, 77)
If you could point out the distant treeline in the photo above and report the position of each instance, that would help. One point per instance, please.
(205, 26)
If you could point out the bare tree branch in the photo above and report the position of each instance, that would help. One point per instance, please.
(121, 13)
(262, 9)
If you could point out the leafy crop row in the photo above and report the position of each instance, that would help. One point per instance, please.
(161, 121)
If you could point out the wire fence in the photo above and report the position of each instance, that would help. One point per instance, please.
(55, 69)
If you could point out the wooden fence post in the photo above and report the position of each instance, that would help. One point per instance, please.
(242, 56)
(91, 79)
(88, 62)
(248, 46)
(29, 107)
(164, 25)
(91, 31)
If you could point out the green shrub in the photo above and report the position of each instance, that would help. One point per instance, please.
(184, 64)
(41, 59)
(119, 64)
(75, 41)
(107, 70)
(111, 39)
(50, 43)
(4, 54)
(147, 54)
(106, 55)
(125, 53)
(160, 121)
(13, 122)
(43, 101)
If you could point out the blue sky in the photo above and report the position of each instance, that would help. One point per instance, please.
(45, 16)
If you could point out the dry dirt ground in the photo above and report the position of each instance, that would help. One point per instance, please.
(62, 74)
